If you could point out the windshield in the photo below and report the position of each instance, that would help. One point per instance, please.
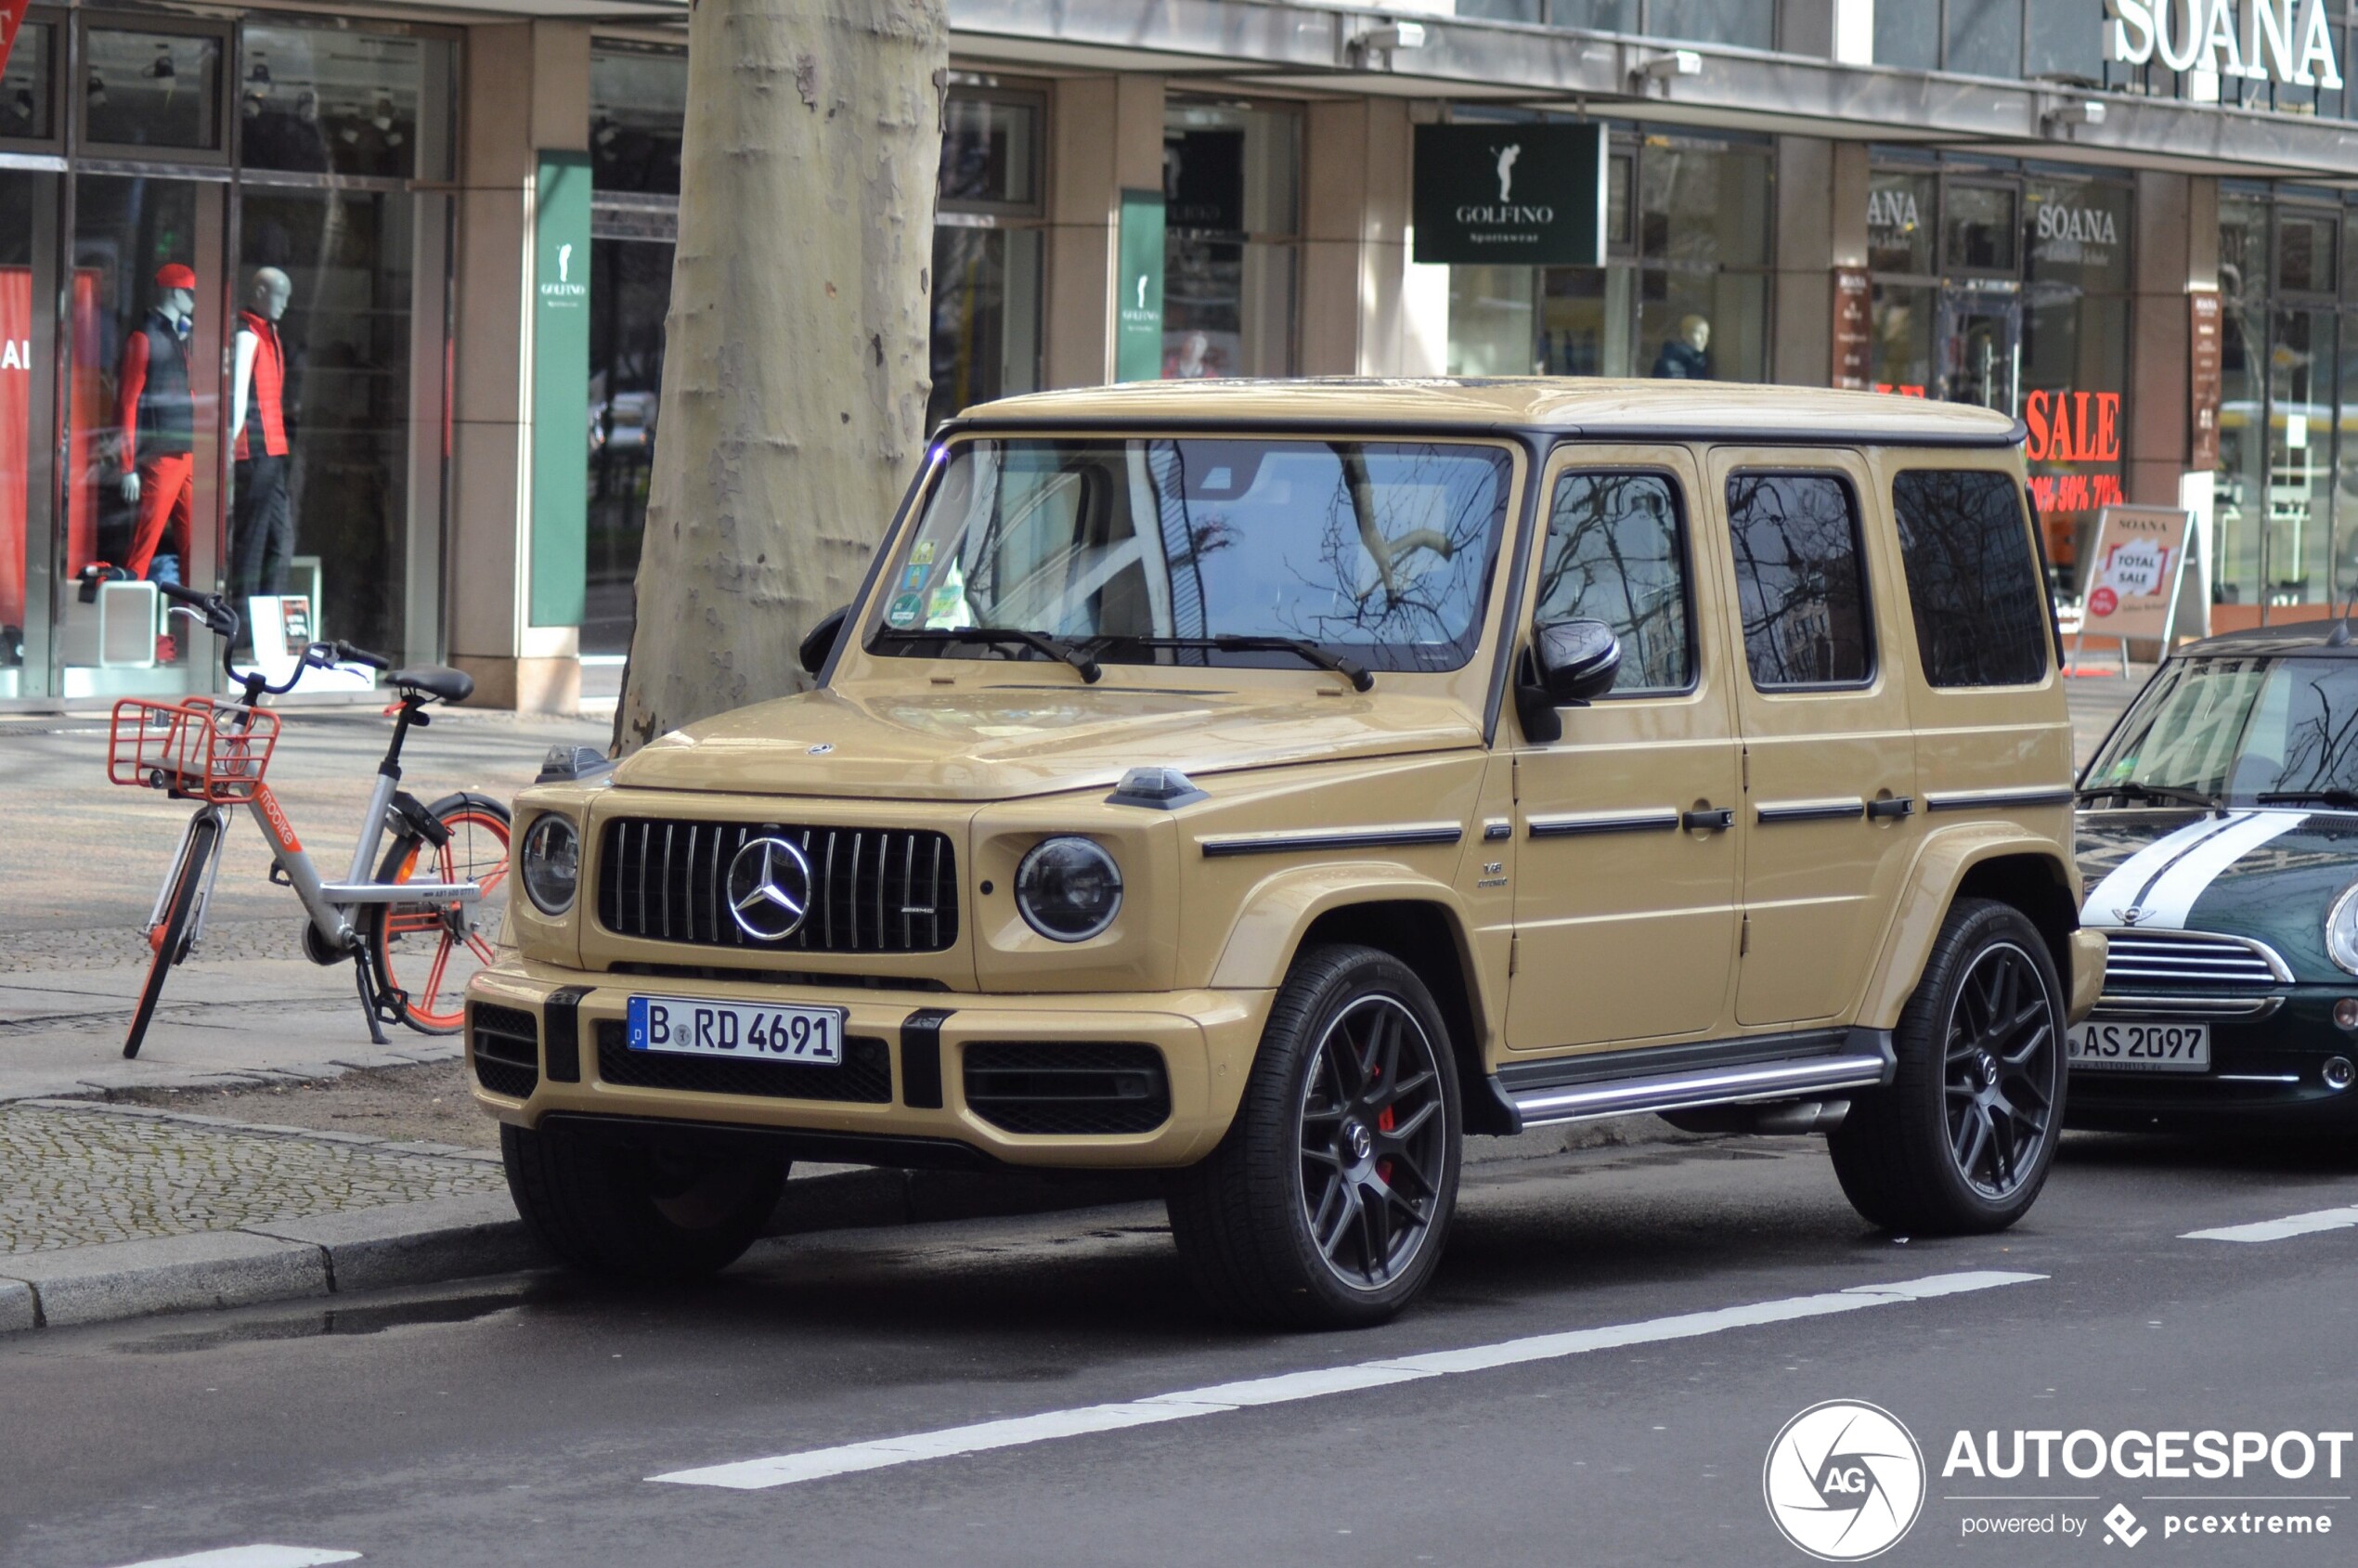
(2241, 730)
(1376, 551)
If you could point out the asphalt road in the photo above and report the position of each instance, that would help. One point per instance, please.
(519, 1420)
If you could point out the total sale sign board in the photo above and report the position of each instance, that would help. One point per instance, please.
(2135, 568)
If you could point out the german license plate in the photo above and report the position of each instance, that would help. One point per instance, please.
(2108, 1046)
(683, 1027)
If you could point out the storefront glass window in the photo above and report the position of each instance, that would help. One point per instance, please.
(1506, 10)
(1604, 16)
(1745, 22)
(1977, 227)
(2305, 251)
(27, 235)
(331, 102)
(1902, 356)
(2296, 551)
(24, 86)
(987, 251)
(339, 493)
(152, 90)
(989, 153)
(1985, 36)
(638, 113)
(2240, 488)
(629, 291)
(1899, 213)
(1492, 316)
(1584, 320)
(2064, 43)
(1230, 178)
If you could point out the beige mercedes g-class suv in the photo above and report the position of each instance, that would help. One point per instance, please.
(1270, 784)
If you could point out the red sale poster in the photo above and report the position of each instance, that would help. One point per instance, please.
(16, 433)
(11, 22)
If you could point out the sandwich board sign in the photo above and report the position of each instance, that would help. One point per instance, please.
(2136, 572)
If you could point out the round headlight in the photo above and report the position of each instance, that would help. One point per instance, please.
(551, 864)
(1068, 889)
(2341, 929)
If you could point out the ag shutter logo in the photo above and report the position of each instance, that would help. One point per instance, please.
(1844, 1481)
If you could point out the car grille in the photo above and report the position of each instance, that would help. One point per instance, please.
(874, 890)
(2198, 973)
(864, 1075)
(1021, 1087)
(506, 1043)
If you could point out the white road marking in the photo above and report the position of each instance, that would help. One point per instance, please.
(2279, 1230)
(814, 1464)
(252, 1557)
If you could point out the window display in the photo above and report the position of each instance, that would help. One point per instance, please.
(152, 90)
(24, 85)
(1230, 180)
(331, 101)
(638, 113)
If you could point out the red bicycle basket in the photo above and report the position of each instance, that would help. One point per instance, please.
(201, 748)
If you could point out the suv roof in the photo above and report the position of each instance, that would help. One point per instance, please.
(2300, 637)
(1553, 404)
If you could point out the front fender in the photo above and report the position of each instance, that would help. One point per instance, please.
(1284, 905)
(1941, 867)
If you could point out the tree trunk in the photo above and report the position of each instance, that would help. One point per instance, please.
(796, 363)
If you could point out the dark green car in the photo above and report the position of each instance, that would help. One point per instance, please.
(2218, 837)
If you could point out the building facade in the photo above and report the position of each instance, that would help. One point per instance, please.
(2126, 222)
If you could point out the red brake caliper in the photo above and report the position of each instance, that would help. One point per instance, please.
(1384, 1125)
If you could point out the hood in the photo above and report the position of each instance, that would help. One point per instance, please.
(996, 742)
(2271, 874)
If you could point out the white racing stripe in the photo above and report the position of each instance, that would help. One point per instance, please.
(2125, 882)
(813, 1464)
(252, 1557)
(2173, 896)
(2279, 1230)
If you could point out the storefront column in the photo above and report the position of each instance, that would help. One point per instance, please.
(1821, 225)
(1105, 137)
(2176, 252)
(1354, 250)
(527, 91)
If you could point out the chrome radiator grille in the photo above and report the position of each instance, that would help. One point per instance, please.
(873, 889)
(2139, 960)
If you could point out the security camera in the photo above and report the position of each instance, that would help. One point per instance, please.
(2061, 119)
(1669, 63)
(1375, 46)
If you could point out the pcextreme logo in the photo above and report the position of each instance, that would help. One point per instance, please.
(1844, 1481)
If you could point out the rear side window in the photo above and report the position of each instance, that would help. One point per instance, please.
(1616, 554)
(1800, 583)
(1980, 617)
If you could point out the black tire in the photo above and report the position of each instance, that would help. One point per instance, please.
(171, 945)
(614, 1208)
(1961, 1141)
(477, 852)
(1247, 1219)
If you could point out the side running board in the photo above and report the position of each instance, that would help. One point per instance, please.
(1683, 1077)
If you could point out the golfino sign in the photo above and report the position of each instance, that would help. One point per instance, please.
(2288, 41)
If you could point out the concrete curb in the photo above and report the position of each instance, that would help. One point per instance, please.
(442, 1239)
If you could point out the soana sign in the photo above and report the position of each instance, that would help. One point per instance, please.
(2289, 41)
(1530, 195)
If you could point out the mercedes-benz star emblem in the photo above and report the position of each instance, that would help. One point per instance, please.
(769, 889)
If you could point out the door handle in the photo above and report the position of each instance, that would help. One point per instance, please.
(1711, 819)
(1897, 806)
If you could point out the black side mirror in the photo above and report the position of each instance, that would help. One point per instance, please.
(820, 640)
(1577, 661)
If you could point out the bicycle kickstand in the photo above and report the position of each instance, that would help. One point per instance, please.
(371, 1006)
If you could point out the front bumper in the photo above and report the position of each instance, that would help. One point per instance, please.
(2262, 1068)
(1206, 1040)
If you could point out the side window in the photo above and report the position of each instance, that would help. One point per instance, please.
(1800, 583)
(1617, 553)
(1981, 619)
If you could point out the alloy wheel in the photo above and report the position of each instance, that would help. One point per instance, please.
(2001, 1062)
(1374, 1142)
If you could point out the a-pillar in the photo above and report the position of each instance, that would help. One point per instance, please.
(1105, 137)
(527, 88)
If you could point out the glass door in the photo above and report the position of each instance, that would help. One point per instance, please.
(28, 359)
(1980, 348)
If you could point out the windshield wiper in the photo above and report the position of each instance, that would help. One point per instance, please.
(997, 636)
(2343, 798)
(2130, 790)
(1300, 647)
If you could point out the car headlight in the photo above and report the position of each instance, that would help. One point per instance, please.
(2341, 929)
(1069, 889)
(551, 864)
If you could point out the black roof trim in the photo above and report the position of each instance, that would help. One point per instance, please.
(1731, 436)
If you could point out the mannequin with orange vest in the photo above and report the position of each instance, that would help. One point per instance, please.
(260, 526)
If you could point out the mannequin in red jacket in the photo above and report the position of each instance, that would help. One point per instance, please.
(261, 529)
(158, 423)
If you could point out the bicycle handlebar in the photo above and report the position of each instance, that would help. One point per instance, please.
(221, 620)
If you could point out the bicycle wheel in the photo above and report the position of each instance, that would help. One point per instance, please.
(170, 940)
(424, 953)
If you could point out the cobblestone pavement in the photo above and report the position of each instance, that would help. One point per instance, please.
(77, 1177)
